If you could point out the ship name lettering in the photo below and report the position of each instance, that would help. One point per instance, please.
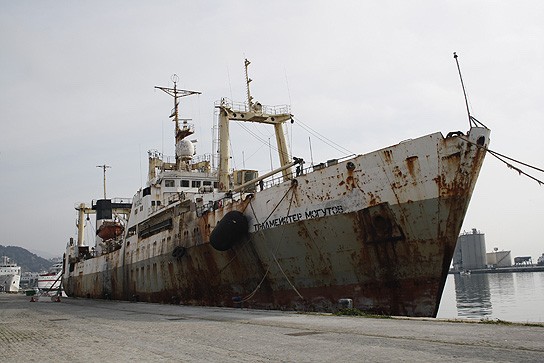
(322, 212)
(291, 218)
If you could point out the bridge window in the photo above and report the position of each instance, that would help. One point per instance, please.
(195, 184)
(185, 183)
(206, 182)
(169, 183)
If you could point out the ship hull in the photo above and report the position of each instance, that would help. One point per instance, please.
(379, 229)
(10, 282)
(49, 282)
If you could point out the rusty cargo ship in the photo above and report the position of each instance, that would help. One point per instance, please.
(377, 230)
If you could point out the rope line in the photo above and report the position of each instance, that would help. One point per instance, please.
(308, 129)
(274, 255)
(516, 161)
(323, 138)
(273, 251)
(509, 165)
(521, 172)
(264, 142)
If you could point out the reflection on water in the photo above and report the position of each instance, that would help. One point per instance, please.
(515, 296)
(472, 296)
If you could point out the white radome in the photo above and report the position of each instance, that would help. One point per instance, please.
(185, 149)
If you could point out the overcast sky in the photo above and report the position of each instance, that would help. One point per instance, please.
(77, 78)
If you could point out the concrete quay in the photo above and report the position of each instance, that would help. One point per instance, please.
(81, 330)
(497, 270)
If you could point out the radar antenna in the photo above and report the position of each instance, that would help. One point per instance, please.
(176, 93)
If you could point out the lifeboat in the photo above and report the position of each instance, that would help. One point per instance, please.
(109, 230)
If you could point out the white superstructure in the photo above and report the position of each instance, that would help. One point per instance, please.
(10, 275)
(51, 279)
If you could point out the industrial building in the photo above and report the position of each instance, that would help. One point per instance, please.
(499, 258)
(470, 251)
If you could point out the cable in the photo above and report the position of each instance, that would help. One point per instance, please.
(323, 138)
(514, 160)
(264, 142)
(540, 182)
(308, 129)
(500, 156)
(248, 297)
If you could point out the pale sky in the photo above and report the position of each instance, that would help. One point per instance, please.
(77, 78)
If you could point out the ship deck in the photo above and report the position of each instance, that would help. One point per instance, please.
(79, 330)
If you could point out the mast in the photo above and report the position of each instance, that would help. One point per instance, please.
(185, 130)
(248, 80)
(104, 167)
(252, 112)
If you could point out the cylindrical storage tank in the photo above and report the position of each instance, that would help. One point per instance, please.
(470, 251)
(502, 259)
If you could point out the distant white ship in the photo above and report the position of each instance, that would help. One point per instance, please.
(50, 280)
(10, 275)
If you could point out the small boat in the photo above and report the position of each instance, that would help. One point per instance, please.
(109, 230)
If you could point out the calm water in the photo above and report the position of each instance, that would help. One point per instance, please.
(517, 297)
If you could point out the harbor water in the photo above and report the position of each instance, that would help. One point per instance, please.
(515, 297)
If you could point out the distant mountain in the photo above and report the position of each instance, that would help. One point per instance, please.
(29, 262)
(45, 254)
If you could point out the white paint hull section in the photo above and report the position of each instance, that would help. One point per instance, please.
(10, 282)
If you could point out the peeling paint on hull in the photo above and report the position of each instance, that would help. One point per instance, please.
(379, 229)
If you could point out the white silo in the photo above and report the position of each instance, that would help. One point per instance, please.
(499, 258)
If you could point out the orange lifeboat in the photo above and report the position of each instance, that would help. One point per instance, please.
(109, 230)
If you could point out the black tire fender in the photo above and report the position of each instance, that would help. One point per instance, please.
(231, 229)
(179, 252)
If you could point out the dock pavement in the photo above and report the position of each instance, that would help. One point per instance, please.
(85, 330)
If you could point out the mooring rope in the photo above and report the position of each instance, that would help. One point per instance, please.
(500, 157)
(247, 240)
(272, 252)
